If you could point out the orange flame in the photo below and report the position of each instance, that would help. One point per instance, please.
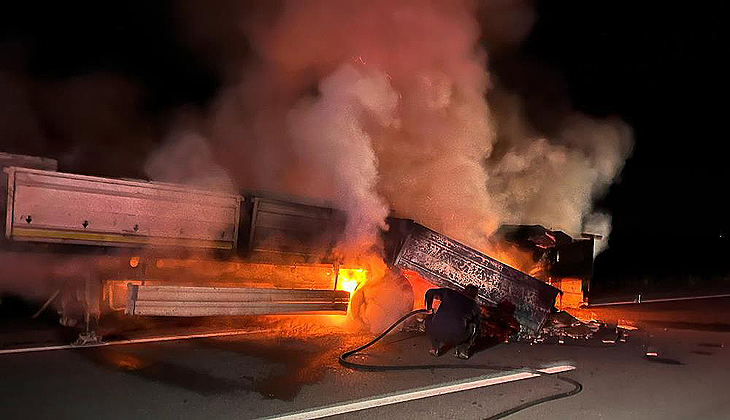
(349, 279)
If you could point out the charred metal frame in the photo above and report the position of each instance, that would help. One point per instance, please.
(448, 263)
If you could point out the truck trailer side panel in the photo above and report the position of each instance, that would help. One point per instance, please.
(53, 207)
(289, 232)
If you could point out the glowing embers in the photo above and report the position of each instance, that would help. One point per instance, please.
(121, 360)
(348, 279)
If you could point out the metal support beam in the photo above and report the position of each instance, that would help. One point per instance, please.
(209, 301)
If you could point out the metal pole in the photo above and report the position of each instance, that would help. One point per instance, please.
(45, 305)
(336, 267)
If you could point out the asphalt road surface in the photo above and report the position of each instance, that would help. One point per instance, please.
(291, 366)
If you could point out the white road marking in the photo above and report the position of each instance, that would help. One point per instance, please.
(131, 341)
(636, 302)
(414, 394)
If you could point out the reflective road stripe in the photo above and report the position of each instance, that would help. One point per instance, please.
(415, 394)
(131, 341)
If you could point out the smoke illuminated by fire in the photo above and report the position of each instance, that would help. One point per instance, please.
(389, 105)
(374, 107)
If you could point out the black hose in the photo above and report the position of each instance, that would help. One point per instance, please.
(577, 387)
(358, 366)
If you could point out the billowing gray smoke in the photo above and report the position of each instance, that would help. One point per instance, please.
(368, 105)
(387, 105)
(329, 133)
(185, 158)
(553, 178)
(371, 106)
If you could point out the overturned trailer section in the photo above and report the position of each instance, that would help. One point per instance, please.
(561, 260)
(448, 263)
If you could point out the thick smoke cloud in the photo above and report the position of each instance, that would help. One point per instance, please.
(454, 153)
(329, 133)
(553, 176)
(426, 119)
(436, 142)
(380, 105)
(185, 158)
(386, 105)
(369, 106)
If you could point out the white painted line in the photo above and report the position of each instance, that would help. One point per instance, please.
(415, 394)
(131, 341)
(636, 302)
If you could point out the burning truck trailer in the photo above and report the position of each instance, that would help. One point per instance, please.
(155, 249)
(101, 245)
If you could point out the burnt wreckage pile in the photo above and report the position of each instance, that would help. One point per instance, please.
(514, 303)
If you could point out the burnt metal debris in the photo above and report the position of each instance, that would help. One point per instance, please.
(558, 257)
(448, 263)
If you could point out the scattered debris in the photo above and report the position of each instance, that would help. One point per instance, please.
(625, 325)
(87, 338)
(562, 324)
(562, 327)
(499, 325)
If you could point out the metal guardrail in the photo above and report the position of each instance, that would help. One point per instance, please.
(208, 301)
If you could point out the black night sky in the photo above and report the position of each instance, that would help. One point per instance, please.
(657, 66)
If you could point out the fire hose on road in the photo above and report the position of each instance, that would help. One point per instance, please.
(577, 386)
